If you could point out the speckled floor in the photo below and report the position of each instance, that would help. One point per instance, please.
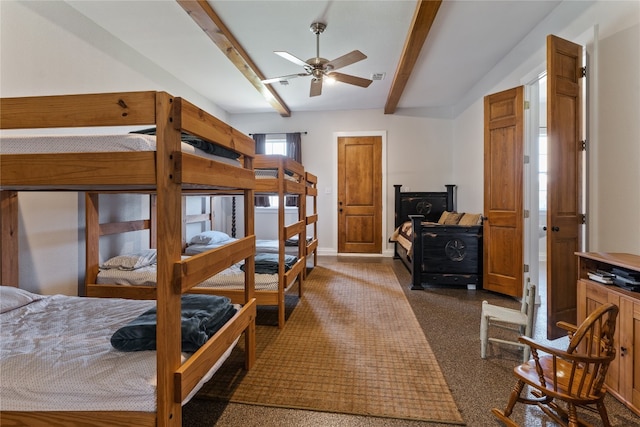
(450, 320)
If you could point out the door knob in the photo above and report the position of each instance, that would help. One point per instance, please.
(555, 228)
(544, 228)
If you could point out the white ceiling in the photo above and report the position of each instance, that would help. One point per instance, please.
(467, 39)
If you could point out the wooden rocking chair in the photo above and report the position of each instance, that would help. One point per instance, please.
(575, 375)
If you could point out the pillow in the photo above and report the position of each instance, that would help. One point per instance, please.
(12, 298)
(470, 219)
(209, 237)
(453, 218)
(443, 217)
(132, 261)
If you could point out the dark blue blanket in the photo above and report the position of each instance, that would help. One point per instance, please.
(205, 146)
(202, 316)
(267, 263)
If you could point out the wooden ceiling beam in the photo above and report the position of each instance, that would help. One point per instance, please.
(423, 18)
(207, 19)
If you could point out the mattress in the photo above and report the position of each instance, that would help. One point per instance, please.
(402, 235)
(272, 173)
(273, 246)
(56, 355)
(230, 278)
(266, 246)
(48, 144)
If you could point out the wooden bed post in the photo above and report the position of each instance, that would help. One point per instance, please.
(416, 267)
(396, 221)
(9, 267)
(250, 269)
(92, 238)
(169, 203)
(452, 197)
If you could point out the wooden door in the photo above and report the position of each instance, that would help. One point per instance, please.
(503, 231)
(564, 203)
(360, 194)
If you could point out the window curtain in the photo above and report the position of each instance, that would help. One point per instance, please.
(294, 150)
(260, 138)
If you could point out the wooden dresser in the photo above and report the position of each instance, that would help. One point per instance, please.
(623, 378)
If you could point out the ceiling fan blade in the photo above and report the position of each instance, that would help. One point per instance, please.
(345, 60)
(352, 80)
(281, 78)
(289, 57)
(316, 87)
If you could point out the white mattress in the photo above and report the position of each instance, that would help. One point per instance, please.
(230, 278)
(272, 173)
(56, 355)
(32, 144)
(272, 247)
(262, 246)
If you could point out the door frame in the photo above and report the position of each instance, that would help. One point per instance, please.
(531, 124)
(386, 250)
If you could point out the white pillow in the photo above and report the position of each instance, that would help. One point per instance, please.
(12, 298)
(132, 261)
(209, 237)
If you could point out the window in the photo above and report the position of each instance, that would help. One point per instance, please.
(275, 144)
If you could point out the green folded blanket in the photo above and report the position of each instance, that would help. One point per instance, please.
(201, 316)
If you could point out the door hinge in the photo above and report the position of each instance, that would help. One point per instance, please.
(526, 160)
(582, 218)
(583, 145)
(583, 71)
(526, 268)
(526, 105)
(526, 213)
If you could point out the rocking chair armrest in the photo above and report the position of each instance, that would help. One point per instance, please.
(541, 347)
(562, 354)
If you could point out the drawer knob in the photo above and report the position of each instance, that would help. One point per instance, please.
(623, 351)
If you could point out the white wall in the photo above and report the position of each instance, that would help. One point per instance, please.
(618, 151)
(419, 155)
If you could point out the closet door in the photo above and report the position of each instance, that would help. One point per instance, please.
(503, 230)
(565, 157)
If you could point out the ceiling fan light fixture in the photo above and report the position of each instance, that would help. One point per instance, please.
(321, 69)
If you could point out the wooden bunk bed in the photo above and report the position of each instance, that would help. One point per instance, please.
(281, 176)
(437, 254)
(164, 170)
(311, 219)
(278, 175)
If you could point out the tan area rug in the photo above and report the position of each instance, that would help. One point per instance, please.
(351, 345)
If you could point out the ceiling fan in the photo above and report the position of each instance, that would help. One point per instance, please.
(319, 67)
